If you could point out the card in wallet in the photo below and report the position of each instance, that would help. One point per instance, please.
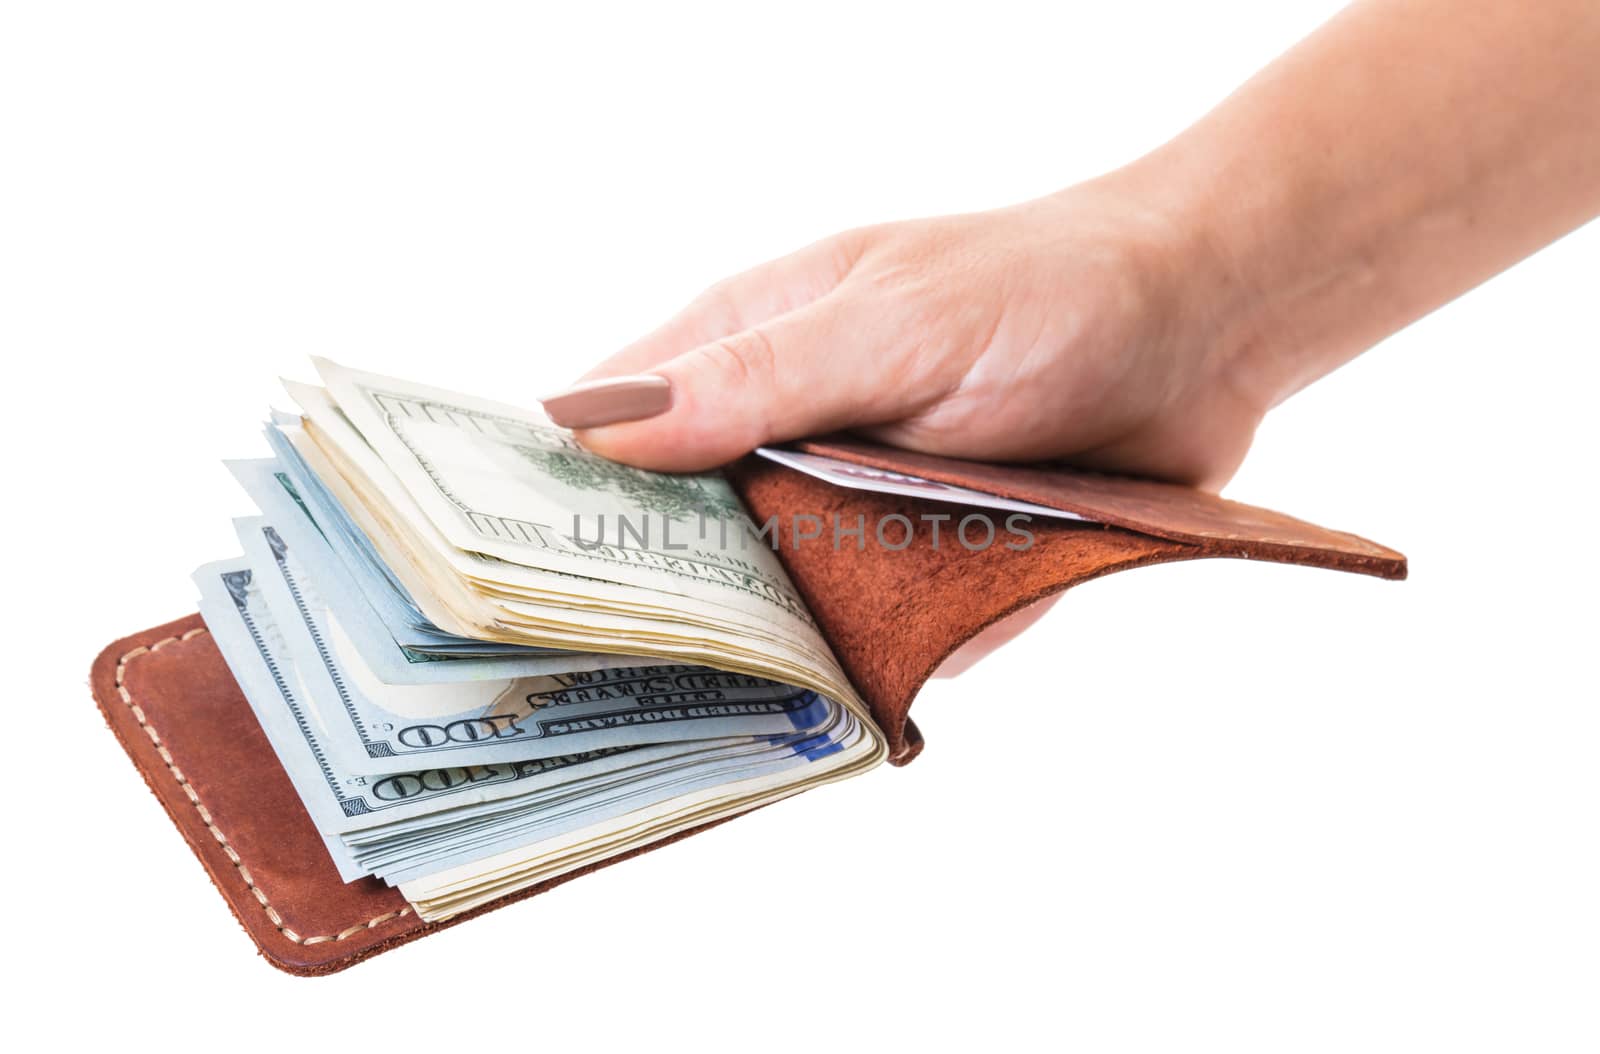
(890, 616)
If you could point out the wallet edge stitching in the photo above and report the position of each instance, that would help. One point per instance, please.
(205, 816)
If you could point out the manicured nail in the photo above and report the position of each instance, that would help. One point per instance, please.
(610, 401)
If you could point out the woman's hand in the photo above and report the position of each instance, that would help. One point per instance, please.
(1146, 321)
(1078, 325)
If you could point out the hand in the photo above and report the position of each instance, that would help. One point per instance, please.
(1144, 322)
(1072, 327)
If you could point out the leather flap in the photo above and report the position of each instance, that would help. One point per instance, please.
(1164, 510)
(893, 615)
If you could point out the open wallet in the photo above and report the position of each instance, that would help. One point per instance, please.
(890, 616)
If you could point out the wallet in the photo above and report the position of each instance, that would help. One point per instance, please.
(891, 617)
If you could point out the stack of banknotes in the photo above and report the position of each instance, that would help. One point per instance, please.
(477, 677)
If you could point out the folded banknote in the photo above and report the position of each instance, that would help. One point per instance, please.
(486, 656)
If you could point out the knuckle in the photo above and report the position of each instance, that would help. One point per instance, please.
(845, 250)
(745, 366)
(747, 360)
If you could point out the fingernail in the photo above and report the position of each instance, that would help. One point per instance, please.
(610, 401)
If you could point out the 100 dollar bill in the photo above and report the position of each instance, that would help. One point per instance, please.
(506, 482)
(380, 728)
(375, 823)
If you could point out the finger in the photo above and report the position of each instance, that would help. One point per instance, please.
(734, 304)
(803, 373)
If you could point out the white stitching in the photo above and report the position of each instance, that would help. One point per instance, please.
(205, 817)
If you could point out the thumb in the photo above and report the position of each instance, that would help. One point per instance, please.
(802, 373)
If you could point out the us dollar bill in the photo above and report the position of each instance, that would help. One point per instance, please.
(427, 657)
(484, 597)
(405, 824)
(378, 728)
(507, 482)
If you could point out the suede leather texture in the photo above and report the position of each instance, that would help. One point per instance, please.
(891, 617)
(894, 616)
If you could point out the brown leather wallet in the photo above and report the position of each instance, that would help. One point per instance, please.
(891, 616)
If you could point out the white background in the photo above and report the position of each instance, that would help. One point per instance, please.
(1211, 806)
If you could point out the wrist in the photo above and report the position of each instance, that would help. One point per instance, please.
(1217, 309)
